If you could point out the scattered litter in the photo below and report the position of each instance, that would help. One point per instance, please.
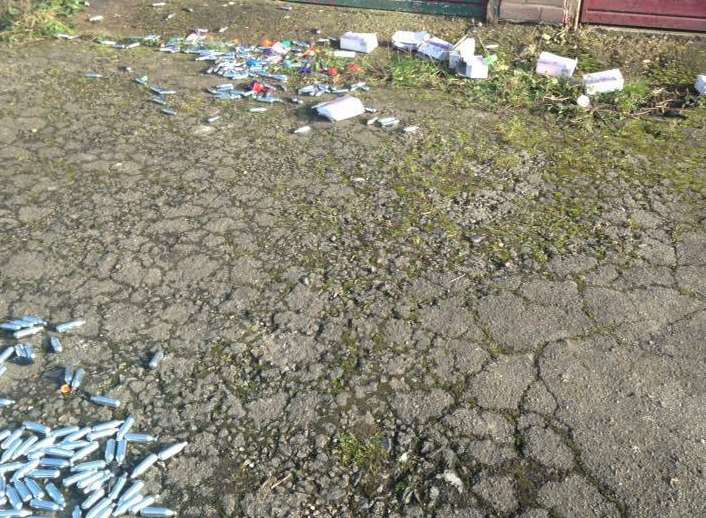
(28, 331)
(202, 130)
(315, 90)
(132, 45)
(345, 54)
(105, 401)
(359, 86)
(603, 82)
(268, 99)
(222, 30)
(701, 84)
(159, 4)
(107, 43)
(364, 42)
(168, 111)
(63, 36)
(343, 108)
(555, 66)
(285, 7)
(370, 110)
(69, 326)
(169, 17)
(99, 484)
(156, 359)
(407, 40)
(159, 100)
(354, 68)
(492, 46)
(55, 344)
(410, 129)
(475, 68)
(92, 75)
(463, 50)
(304, 130)
(388, 122)
(371, 121)
(257, 110)
(96, 19)
(213, 119)
(161, 91)
(584, 101)
(435, 48)
(453, 479)
(24, 354)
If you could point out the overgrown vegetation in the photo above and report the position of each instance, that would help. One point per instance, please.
(32, 19)
(658, 85)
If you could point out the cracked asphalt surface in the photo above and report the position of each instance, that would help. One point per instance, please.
(323, 359)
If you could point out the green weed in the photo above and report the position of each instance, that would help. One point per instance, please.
(39, 19)
(365, 454)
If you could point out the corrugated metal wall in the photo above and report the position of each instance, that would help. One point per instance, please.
(688, 15)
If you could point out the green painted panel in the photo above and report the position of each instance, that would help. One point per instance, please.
(467, 8)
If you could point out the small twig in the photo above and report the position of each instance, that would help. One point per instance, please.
(289, 475)
(455, 279)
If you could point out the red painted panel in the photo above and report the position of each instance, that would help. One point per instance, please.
(687, 15)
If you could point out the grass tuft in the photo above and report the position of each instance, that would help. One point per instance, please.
(368, 455)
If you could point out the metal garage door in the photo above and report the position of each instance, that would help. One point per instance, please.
(470, 8)
(688, 15)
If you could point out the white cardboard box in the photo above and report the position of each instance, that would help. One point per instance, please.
(408, 40)
(603, 82)
(435, 48)
(464, 49)
(555, 66)
(701, 84)
(473, 68)
(365, 42)
(343, 108)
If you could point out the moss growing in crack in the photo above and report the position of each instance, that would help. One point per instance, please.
(366, 454)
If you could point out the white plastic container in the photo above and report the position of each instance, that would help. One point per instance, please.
(463, 50)
(603, 82)
(408, 40)
(555, 66)
(364, 42)
(701, 84)
(474, 68)
(343, 108)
